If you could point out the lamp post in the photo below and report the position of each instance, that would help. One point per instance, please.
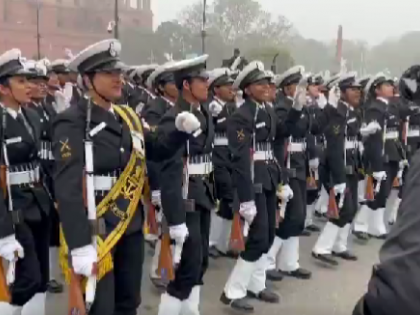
(38, 35)
(116, 20)
(203, 29)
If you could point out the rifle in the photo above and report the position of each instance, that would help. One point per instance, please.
(236, 242)
(165, 266)
(167, 263)
(4, 289)
(78, 305)
(6, 280)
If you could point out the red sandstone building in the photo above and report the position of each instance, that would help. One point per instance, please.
(65, 24)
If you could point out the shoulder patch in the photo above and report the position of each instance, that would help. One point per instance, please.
(240, 135)
(65, 149)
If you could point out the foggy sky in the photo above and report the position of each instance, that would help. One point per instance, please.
(370, 20)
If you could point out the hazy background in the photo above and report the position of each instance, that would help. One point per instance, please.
(369, 20)
(378, 35)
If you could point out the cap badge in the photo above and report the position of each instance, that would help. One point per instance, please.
(112, 51)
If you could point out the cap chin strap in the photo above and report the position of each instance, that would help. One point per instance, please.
(96, 91)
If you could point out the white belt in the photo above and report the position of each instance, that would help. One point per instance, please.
(350, 145)
(200, 168)
(46, 153)
(25, 177)
(392, 135)
(263, 156)
(413, 133)
(102, 183)
(221, 141)
(296, 147)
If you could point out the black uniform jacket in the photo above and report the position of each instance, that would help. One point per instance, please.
(170, 148)
(240, 130)
(154, 113)
(294, 123)
(221, 154)
(386, 115)
(112, 148)
(394, 287)
(343, 124)
(31, 200)
(315, 137)
(145, 98)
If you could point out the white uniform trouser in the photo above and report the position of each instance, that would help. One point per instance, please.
(246, 276)
(332, 238)
(321, 204)
(220, 230)
(170, 305)
(370, 221)
(392, 205)
(284, 254)
(309, 215)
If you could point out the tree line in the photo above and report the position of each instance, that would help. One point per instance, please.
(259, 34)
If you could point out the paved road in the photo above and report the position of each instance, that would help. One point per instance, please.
(332, 291)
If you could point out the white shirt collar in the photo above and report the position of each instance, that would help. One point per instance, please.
(290, 98)
(223, 103)
(11, 111)
(383, 100)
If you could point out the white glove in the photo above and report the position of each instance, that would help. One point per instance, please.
(215, 108)
(156, 198)
(285, 193)
(361, 148)
(178, 233)
(248, 211)
(314, 164)
(9, 246)
(61, 102)
(187, 122)
(370, 129)
(340, 189)
(379, 176)
(299, 99)
(334, 96)
(322, 101)
(83, 259)
(403, 164)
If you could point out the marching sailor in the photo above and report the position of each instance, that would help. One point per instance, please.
(184, 142)
(64, 94)
(394, 284)
(162, 83)
(114, 184)
(342, 155)
(256, 175)
(25, 205)
(293, 127)
(140, 76)
(222, 106)
(384, 152)
(38, 83)
(315, 149)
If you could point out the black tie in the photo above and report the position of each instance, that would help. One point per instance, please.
(25, 124)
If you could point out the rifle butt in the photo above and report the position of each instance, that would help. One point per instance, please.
(165, 266)
(151, 219)
(332, 212)
(237, 243)
(4, 289)
(370, 189)
(76, 300)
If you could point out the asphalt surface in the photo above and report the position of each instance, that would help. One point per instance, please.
(331, 291)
